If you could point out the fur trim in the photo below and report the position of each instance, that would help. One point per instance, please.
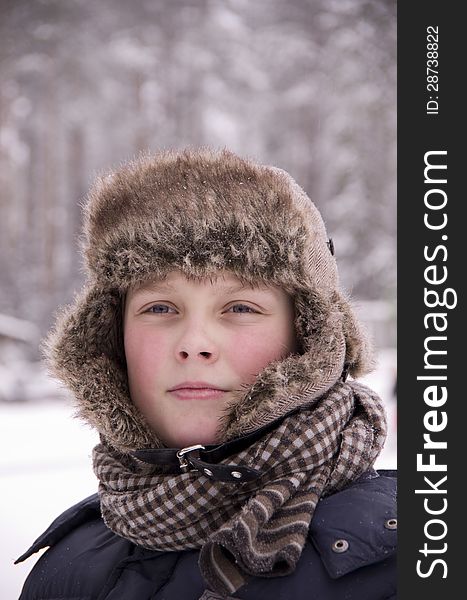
(201, 212)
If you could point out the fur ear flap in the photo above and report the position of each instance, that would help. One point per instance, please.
(85, 330)
(359, 355)
(85, 351)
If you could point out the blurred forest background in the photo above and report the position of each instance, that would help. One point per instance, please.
(306, 85)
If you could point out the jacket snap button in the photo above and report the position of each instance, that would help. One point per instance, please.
(236, 474)
(208, 472)
(391, 524)
(340, 546)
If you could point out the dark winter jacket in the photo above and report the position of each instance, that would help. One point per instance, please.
(350, 554)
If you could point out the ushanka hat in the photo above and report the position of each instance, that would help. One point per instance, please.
(201, 211)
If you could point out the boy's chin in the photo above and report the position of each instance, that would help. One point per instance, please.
(191, 436)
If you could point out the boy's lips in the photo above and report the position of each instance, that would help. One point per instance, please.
(196, 385)
(197, 390)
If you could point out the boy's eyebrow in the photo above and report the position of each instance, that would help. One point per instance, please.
(165, 287)
(236, 288)
(155, 286)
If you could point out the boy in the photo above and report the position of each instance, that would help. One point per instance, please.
(210, 348)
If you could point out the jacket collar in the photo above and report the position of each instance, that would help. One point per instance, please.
(358, 525)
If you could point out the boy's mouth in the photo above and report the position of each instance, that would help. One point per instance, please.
(197, 390)
(196, 385)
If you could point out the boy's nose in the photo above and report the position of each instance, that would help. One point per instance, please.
(196, 345)
(203, 355)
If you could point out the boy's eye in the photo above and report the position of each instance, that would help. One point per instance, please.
(163, 309)
(244, 308)
(159, 309)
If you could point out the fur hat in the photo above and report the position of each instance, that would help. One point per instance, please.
(201, 211)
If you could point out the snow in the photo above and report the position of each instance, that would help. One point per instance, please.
(45, 467)
(382, 380)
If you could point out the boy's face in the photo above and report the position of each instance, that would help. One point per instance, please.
(179, 331)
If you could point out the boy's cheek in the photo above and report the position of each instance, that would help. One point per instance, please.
(251, 353)
(143, 353)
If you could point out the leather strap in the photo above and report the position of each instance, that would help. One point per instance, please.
(206, 459)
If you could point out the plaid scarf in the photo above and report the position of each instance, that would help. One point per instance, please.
(255, 528)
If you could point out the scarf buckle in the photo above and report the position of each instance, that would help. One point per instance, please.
(184, 462)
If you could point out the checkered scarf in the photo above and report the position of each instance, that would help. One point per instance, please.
(254, 528)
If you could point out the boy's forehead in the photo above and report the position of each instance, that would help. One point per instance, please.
(223, 281)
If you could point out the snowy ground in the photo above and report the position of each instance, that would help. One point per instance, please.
(45, 468)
